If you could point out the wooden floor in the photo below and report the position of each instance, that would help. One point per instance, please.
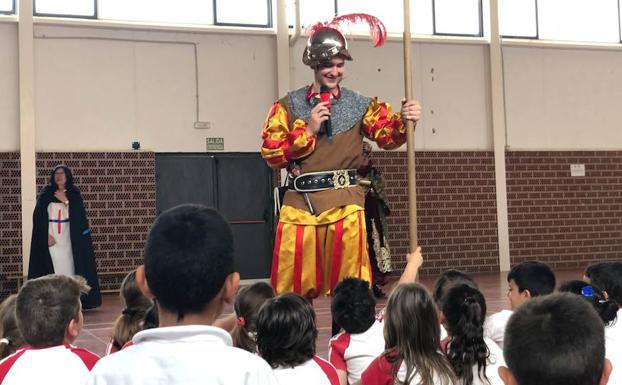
(98, 322)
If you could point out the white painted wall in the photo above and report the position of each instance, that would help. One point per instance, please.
(94, 93)
(455, 92)
(563, 98)
(9, 89)
(104, 94)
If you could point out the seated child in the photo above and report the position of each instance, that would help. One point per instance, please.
(246, 307)
(132, 318)
(606, 308)
(189, 270)
(10, 337)
(286, 335)
(608, 277)
(444, 281)
(447, 279)
(412, 354)
(475, 359)
(49, 317)
(525, 281)
(353, 309)
(557, 339)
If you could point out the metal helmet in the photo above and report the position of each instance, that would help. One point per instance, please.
(324, 44)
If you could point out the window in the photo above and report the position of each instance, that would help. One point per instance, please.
(458, 17)
(256, 13)
(7, 6)
(163, 11)
(311, 11)
(571, 20)
(67, 8)
(579, 20)
(421, 12)
(518, 18)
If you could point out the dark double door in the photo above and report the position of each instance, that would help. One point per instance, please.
(238, 185)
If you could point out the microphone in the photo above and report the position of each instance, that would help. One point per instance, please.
(326, 126)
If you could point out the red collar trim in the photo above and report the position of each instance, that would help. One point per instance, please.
(28, 347)
(310, 94)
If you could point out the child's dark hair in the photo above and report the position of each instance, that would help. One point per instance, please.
(188, 256)
(446, 280)
(353, 305)
(135, 307)
(412, 336)
(286, 331)
(152, 318)
(68, 177)
(464, 308)
(247, 304)
(10, 337)
(556, 339)
(46, 305)
(537, 277)
(607, 309)
(608, 277)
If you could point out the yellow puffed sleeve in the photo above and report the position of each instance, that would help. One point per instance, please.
(282, 144)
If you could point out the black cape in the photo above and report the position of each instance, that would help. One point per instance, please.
(81, 243)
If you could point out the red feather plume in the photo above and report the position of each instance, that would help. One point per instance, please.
(377, 30)
(315, 27)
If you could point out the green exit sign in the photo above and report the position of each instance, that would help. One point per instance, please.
(215, 144)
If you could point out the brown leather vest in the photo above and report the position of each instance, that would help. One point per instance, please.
(343, 151)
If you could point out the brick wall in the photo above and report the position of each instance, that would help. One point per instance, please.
(119, 194)
(118, 189)
(565, 221)
(456, 209)
(10, 223)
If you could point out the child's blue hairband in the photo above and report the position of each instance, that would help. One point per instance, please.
(587, 291)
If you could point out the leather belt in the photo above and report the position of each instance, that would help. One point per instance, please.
(325, 180)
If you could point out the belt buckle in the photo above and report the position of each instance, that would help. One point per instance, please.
(341, 179)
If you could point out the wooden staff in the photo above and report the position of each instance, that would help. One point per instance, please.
(410, 131)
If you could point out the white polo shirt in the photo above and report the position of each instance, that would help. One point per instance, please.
(188, 355)
(495, 360)
(613, 348)
(353, 353)
(315, 371)
(494, 326)
(57, 365)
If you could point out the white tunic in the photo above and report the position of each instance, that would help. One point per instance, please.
(61, 253)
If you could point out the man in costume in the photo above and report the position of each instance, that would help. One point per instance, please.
(317, 132)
